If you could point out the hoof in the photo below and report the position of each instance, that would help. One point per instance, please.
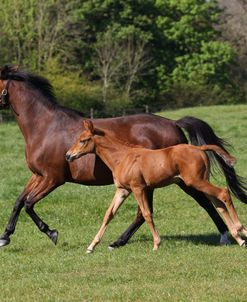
(243, 244)
(88, 251)
(117, 244)
(110, 248)
(224, 239)
(156, 247)
(4, 241)
(53, 235)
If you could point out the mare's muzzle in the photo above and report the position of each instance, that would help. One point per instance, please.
(4, 97)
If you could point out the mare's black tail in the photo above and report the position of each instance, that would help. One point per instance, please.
(200, 133)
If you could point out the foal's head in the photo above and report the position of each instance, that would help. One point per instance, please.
(85, 144)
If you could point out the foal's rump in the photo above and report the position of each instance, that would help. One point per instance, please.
(192, 162)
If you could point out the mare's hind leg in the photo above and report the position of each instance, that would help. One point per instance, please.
(119, 197)
(139, 220)
(222, 201)
(141, 197)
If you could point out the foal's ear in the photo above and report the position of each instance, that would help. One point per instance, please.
(88, 126)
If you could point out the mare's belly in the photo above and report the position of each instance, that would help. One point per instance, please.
(90, 170)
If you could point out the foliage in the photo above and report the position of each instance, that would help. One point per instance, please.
(190, 265)
(138, 51)
(208, 66)
(36, 31)
(72, 90)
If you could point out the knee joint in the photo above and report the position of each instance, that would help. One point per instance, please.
(147, 216)
(225, 196)
(27, 206)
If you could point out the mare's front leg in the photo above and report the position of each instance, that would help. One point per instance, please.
(10, 228)
(119, 197)
(141, 197)
(43, 186)
(139, 220)
(36, 189)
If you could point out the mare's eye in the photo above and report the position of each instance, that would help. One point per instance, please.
(82, 142)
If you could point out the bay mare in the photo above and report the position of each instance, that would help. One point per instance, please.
(136, 169)
(50, 129)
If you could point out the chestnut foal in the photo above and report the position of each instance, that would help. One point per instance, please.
(136, 169)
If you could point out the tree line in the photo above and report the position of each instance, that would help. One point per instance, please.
(123, 54)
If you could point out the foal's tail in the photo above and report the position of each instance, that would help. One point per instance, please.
(200, 133)
(228, 158)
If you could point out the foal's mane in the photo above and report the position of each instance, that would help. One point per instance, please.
(40, 83)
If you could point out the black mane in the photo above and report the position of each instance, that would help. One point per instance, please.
(40, 83)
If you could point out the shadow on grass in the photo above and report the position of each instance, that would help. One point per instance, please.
(210, 239)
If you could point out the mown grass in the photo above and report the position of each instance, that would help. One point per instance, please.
(189, 266)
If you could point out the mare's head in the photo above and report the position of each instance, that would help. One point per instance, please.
(85, 143)
(10, 91)
(5, 72)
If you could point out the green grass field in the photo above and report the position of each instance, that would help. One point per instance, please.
(189, 266)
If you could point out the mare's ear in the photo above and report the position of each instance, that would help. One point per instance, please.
(88, 126)
(14, 68)
(6, 70)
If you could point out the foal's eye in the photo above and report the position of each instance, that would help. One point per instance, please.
(82, 142)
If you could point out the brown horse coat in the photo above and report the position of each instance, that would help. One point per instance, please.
(50, 129)
(137, 169)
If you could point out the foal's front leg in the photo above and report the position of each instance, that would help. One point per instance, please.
(141, 197)
(135, 225)
(119, 197)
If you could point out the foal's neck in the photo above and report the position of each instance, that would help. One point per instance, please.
(110, 150)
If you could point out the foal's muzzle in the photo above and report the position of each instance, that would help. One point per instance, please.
(69, 157)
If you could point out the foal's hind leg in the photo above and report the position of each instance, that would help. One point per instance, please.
(120, 196)
(222, 201)
(206, 203)
(141, 197)
(233, 214)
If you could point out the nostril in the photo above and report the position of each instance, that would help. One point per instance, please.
(67, 156)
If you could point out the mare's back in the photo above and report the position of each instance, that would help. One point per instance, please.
(148, 130)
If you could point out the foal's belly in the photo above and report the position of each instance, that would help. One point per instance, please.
(157, 170)
(159, 183)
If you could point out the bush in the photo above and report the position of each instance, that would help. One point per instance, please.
(186, 94)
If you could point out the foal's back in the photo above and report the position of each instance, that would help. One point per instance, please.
(158, 168)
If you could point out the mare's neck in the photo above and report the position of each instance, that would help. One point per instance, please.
(31, 112)
(110, 150)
